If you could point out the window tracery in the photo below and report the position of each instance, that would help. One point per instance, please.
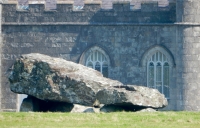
(158, 73)
(98, 61)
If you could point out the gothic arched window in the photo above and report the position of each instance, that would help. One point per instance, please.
(98, 61)
(158, 73)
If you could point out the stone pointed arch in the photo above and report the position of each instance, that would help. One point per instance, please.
(153, 50)
(158, 62)
(97, 58)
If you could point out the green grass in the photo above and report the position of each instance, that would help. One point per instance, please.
(101, 120)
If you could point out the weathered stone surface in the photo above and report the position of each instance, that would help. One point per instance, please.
(131, 95)
(55, 79)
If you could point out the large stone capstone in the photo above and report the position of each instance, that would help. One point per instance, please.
(56, 79)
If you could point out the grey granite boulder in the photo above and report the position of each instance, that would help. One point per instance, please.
(55, 79)
(136, 97)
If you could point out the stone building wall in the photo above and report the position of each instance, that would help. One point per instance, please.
(126, 35)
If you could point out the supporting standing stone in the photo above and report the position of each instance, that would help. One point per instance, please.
(29, 104)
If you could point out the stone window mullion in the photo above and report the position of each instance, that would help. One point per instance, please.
(158, 71)
(99, 61)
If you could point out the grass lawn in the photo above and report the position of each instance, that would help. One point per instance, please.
(100, 120)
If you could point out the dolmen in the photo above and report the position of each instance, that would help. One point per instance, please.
(55, 84)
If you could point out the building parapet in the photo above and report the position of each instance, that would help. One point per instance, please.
(92, 13)
(108, 4)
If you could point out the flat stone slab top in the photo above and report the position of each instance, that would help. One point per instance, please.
(56, 79)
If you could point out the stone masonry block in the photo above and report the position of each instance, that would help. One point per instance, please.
(121, 6)
(189, 18)
(149, 6)
(189, 39)
(51, 4)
